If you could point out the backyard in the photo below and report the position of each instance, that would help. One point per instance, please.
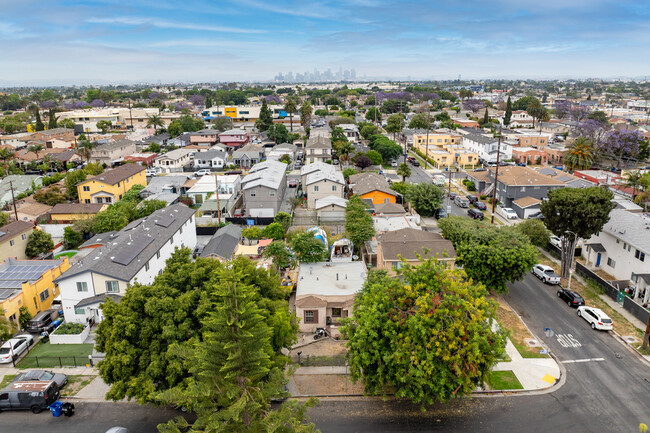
(56, 355)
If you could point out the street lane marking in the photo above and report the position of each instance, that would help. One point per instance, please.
(575, 361)
(567, 340)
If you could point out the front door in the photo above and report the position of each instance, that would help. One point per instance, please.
(598, 257)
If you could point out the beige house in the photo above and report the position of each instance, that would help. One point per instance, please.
(322, 184)
(174, 161)
(13, 239)
(112, 152)
(318, 148)
(408, 243)
(325, 293)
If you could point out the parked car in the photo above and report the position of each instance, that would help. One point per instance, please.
(452, 195)
(150, 173)
(507, 213)
(415, 162)
(293, 183)
(537, 215)
(480, 205)
(546, 274)
(233, 172)
(441, 213)
(197, 251)
(461, 201)
(475, 214)
(573, 299)
(43, 375)
(596, 318)
(202, 172)
(393, 163)
(14, 347)
(472, 198)
(410, 159)
(335, 161)
(297, 165)
(238, 213)
(556, 241)
(36, 396)
(39, 322)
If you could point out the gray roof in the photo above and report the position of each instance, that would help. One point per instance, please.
(98, 299)
(21, 182)
(268, 173)
(632, 228)
(157, 184)
(114, 145)
(332, 176)
(126, 252)
(223, 243)
(319, 142)
(210, 154)
(480, 138)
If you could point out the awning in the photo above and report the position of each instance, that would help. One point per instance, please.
(98, 299)
(598, 248)
(208, 118)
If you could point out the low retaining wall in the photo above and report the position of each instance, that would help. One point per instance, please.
(70, 338)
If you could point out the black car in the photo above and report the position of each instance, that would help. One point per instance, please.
(475, 214)
(573, 299)
(452, 195)
(441, 213)
(415, 163)
(480, 205)
(472, 198)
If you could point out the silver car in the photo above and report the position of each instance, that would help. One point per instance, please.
(43, 375)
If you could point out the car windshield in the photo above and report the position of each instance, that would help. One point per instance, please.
(47, 376)
(4, 350)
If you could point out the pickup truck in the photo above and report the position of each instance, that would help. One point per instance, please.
(546, 274)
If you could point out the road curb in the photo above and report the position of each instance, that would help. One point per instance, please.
(620, 339)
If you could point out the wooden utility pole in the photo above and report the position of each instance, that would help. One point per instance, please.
(426, 149)
(216, 182)
(13, 199)
(496, 178)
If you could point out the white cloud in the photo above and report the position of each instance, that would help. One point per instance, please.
(136, 21)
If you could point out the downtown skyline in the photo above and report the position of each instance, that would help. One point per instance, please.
(67, 42)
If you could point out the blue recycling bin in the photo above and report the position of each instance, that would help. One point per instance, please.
(56, 408)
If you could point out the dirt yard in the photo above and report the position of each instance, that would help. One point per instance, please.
(326, 384)
(323, 347)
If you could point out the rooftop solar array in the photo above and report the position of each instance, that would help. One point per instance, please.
(130, 252)
(565, 178)
(24, 272)
(6, 293)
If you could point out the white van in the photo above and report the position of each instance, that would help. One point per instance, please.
(461, 201)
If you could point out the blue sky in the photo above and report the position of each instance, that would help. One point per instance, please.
(109, 41)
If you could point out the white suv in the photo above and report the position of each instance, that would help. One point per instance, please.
(597, 318)
(202, 172)
(508, 213)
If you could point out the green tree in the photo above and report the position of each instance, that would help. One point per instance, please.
(375, 157)
(525, 102)
(599, 116)
(39, 242)
(338, 134)
(284, 219)
(50, 196)
(233, 370)
(490, 255)
(24, 317)
(38, 126)
(252, 233)
(508, 116)
(419, 121)
(388, 148)
(147, 207)
(281, 255)
(153, 148)
(305, 115)
(143, 335)
(266, 118)
(6, 155)
(308, 249)
(85, 147)
(535, 231)
(636, 181)
(574, 213)
(423, 336)
(373, 115)
(105, 125)
(71, 238)
(36, 148)
(52, 119)
(395, 124)
(110, 219)
(425, 198)
(536, 110)
(404, 170)
(367, 130)
(580, 155)
(273, 231)
(222, 123)
(154, 121)
(290, 106)
(72, 179)
(4, 218)
(359, 226)
(278, 133)
(67, 123)
(486, 117)
(349, 172)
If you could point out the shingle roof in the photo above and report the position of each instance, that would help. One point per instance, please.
(526, 202)
(330, 200)
(223, 243)
(389, 208)
(319, 142)
(98, 299)
(369, 182)
(13, 229)
(332, 176)
(268, 173)
(77, 208)
(408, 242)
(115, 175)
(524, 176)
(629, 227)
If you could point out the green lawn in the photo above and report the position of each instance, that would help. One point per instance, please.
(66, 254)
(6, 380)
(503, 380)
(55, 355)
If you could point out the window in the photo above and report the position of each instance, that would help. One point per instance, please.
(11, 243)
(181, 230)
(333, 187)
(23, 236)
(112, 286)
(315, 188)
(44, 295)
(146, 266)
(523, 189)
(118, 184)
(639, 255)
(624, 245)
(272, 193)
(86, 188)
(82, 286)
(611, 263)
(87, 200)
(311, 316)
(252, 193)
(79, 311)
(336, 312)
(158, 255)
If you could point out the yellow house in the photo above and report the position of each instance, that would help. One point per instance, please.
(69, 212)
(111, 185)
(29, 283)
(435, 140)
(13, 239)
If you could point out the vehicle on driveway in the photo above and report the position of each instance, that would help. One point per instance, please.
(573, 299)
(393, 163)
(596, 318)
(475, 214)
(546, 274)
(556, 242)
(14, 347)
(537, 215)
(43, 375)
(415, 162)
(507, 213)
(40, 322)
(202, 172)
(480, 205)
(293, 183)
(150, 173)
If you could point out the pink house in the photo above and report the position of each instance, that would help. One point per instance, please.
(235, 138)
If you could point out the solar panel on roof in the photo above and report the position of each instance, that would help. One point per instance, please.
(564, 178)
(130, 252)
(5, 293)
(165, 220)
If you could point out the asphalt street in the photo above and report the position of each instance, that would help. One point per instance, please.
(418, 175)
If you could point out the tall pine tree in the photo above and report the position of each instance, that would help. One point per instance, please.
(486, 117)
(266, 118)
(508, 115)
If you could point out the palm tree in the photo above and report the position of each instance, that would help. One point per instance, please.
(290, 107)
(344, 149)
(155, 121)
(305, 114)
(634, 180)
(404, 170)
(36, 148)
(85, 148)
(580, 155)
(643, 197)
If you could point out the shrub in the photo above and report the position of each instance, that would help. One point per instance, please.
(483, 196)
(70, 329)
(470, 185)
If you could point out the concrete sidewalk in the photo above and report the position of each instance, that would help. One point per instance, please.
(533, 373)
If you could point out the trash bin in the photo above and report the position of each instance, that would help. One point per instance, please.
(56, 408)
(68, 409)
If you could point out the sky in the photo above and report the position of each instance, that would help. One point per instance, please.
(65, 42)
